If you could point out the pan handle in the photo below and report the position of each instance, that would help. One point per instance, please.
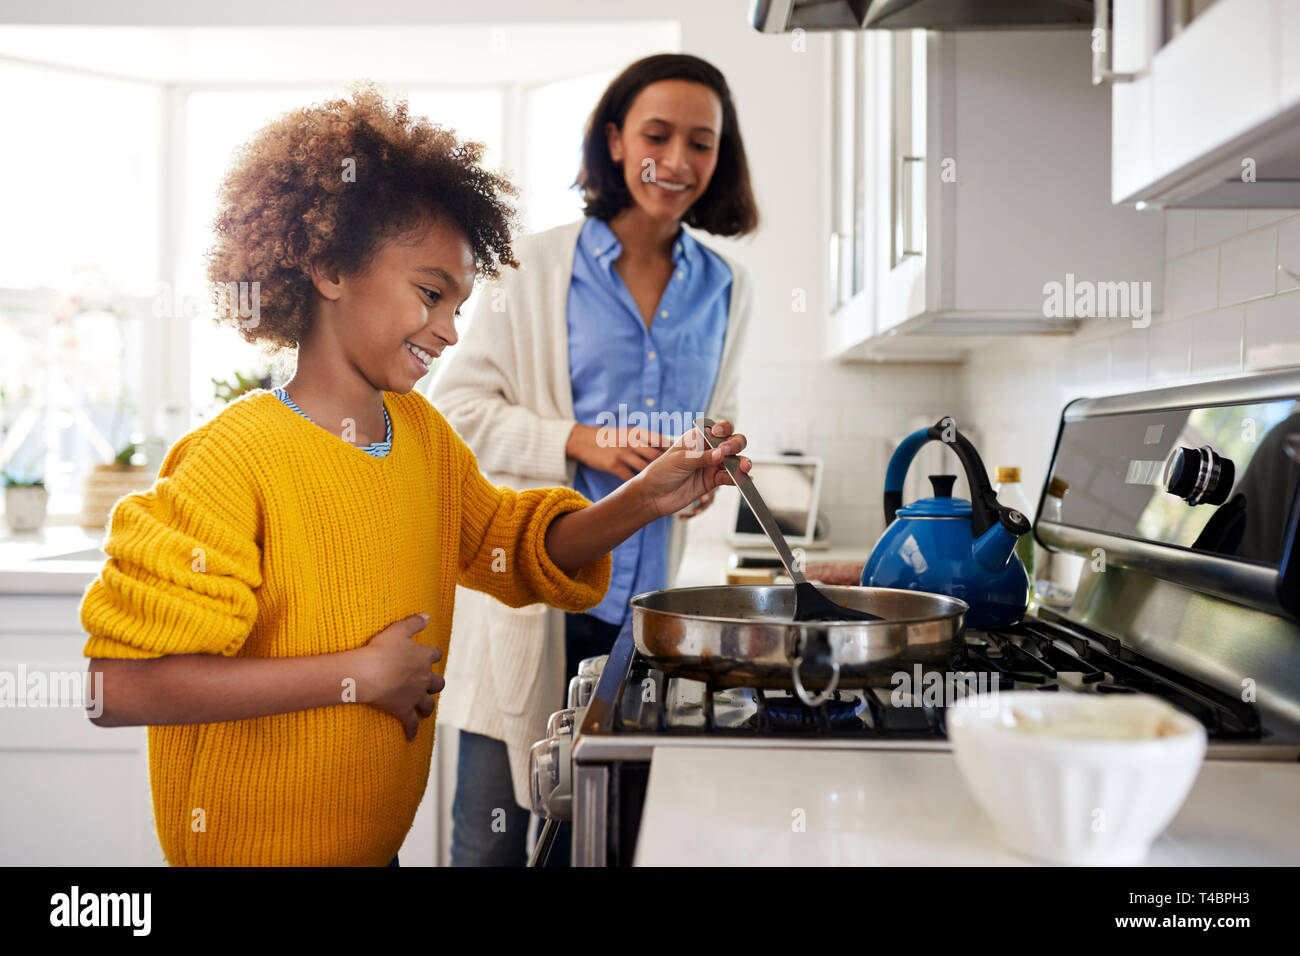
(823, 651)
(820, 698)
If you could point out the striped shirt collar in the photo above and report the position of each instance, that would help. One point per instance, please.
(378, 449)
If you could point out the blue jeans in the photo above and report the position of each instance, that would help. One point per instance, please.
(488, 827)
(394, 861)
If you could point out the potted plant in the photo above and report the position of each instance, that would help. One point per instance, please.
(108, 483)
(227, 392)
(25, 502)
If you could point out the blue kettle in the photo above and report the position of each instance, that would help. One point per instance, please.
(948, 545)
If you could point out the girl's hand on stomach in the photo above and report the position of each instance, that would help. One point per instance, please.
(623, 453)
(396, 673)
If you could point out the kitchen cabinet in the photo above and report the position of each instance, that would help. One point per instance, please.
(1206, 114)
(74, 794)
(968, 171)
(900, 70)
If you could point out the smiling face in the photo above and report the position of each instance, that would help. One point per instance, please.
(668, 146)
(393, 320)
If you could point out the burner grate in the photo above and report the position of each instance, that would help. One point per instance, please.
(1126, 671)
(1033, 655)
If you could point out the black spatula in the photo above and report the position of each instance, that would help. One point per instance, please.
(809, 603)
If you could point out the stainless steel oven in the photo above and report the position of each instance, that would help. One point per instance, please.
(1181, 503)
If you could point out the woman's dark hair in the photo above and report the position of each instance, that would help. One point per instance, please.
(727, 207)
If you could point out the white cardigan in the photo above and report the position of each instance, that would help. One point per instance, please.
(506, 390)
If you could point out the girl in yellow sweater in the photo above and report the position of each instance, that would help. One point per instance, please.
(277, 608)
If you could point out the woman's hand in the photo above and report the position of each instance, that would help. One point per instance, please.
(687, 471)
(623, 453)
(396, 673)
(690, 470)
(700, 505)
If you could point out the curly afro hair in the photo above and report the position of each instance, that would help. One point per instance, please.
(332, 182)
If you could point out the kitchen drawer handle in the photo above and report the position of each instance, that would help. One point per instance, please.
(905, 200)
(1101, 59)
(837, 269)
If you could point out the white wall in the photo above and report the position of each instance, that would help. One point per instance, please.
(1229, 310)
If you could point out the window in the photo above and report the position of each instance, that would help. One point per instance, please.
(109, 192)
(80, 168)
(557, 116)
(215, 124)
(79, 250)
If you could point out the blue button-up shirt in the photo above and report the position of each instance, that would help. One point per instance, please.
(625, 375)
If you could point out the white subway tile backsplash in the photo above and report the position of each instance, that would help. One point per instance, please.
(1228, 308)
(1248, 266)
(856, 455)
(844, 413)
(1215, 225)
(1264, 217)
(1272, 332)
(1170, 357)
(1288, 255)
(1128, 357)
(1180, 232)
(1192, 283)
(1091, 361)
(1216, 341)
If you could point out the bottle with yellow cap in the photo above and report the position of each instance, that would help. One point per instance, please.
(1011, 495)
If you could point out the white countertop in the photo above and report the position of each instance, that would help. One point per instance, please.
(33, 563)
(736, 806)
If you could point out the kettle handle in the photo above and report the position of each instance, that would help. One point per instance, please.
(985, 510)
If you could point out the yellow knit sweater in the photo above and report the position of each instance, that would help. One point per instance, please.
(267, 536)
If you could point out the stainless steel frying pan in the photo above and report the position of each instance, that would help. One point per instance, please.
(743, 636)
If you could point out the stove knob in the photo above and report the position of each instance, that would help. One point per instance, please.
(562, 722)
(583, 686)
(550, 778)
(1200, 475)
(581, 689)
(549, 763)
(592, 666)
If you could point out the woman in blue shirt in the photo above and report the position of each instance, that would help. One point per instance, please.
(613, 336)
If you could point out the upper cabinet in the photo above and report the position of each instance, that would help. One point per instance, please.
(970, 177)
(1206, 100)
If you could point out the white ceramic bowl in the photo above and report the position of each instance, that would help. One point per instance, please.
(1059, 780)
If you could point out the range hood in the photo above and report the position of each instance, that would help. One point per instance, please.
(783, 16)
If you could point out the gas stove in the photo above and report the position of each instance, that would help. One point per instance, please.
(654, 709)
(637, 709)
(1183, 508)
